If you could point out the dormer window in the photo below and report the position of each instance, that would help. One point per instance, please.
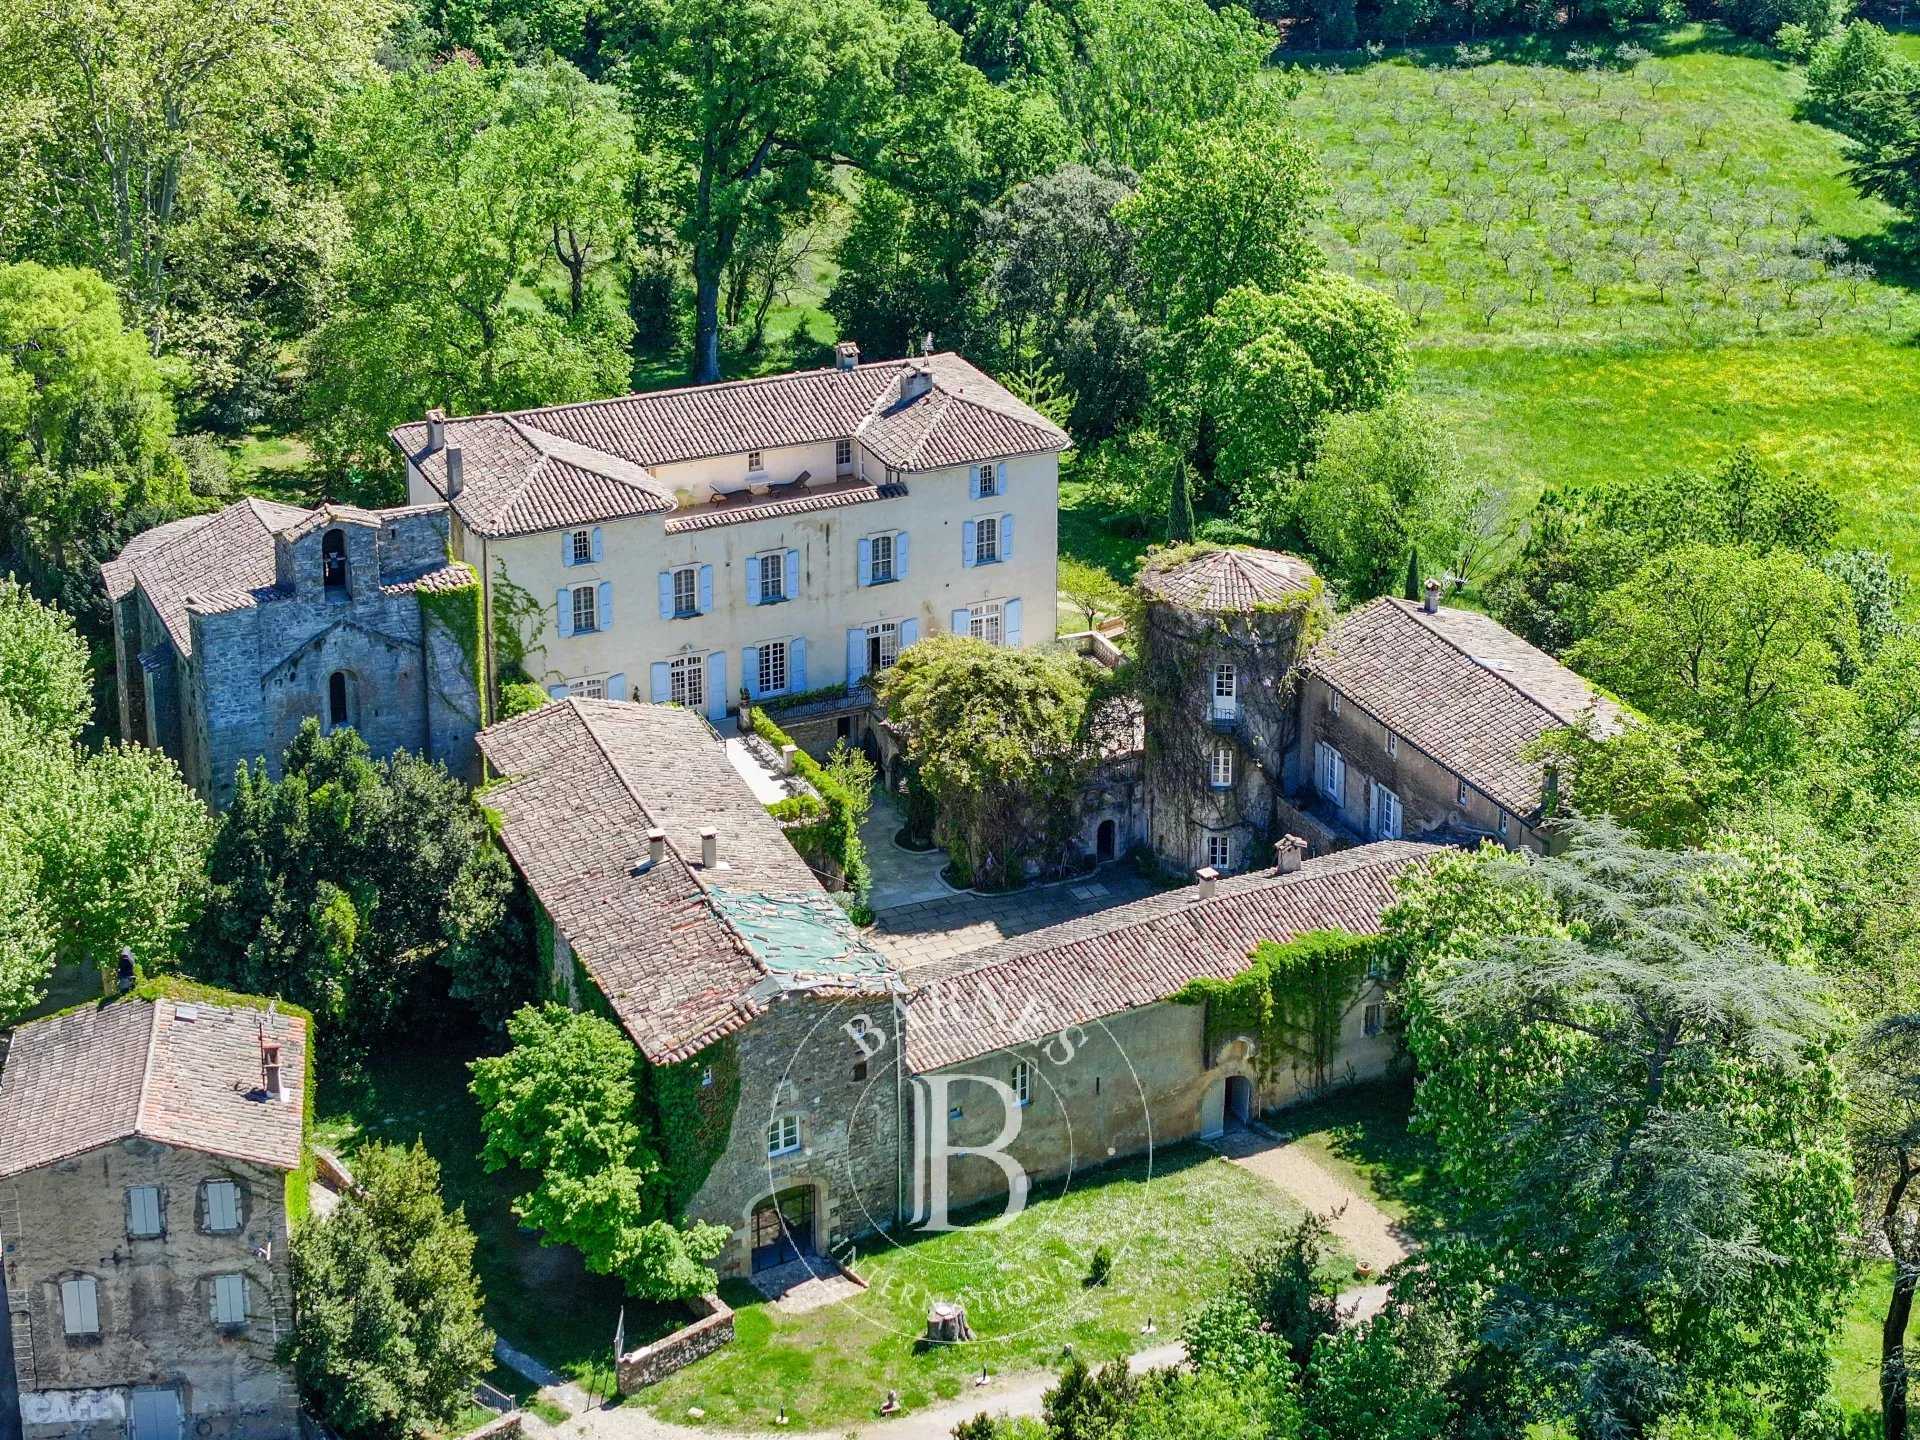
(333, 560)
(755, 462)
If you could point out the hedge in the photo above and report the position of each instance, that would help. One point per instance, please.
(835, 836)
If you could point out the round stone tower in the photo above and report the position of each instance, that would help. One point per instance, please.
(1223, 631)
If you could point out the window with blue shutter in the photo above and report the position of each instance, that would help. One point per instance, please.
(961, 621)
(666, 594)
(706, 589)
(750, 671)
(563, 608)
(856, 656)
(617, 686)
(864, 566)
(900, 555)
(797, 665)
(909, 632)
(1006, 537)
(1000, 477)
(1010, 622)
(717, 697)
(966, 544)
(604, 620)
(753, 579)
(598, 552)
(657, 681)
(792, 590)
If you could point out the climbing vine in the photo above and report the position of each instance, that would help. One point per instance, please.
(692, 1105)
(1176, 652)
(845, 786)
(457, 610)
(1292, 999)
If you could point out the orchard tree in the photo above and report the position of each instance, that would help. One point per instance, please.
(43, 666)
(1747, 648)
(1659, 780)
(463, 188)
(387, 1339)
(1000, 738)
(560, 1105)
(1628, 1065)
(1090, 589)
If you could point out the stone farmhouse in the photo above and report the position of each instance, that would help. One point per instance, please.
(145, 1151)
(766, 537)
(232, 629)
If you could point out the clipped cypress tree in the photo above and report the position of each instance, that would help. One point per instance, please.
(1180, 507)
(1415, 589)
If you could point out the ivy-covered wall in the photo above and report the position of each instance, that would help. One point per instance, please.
(459, 611)
(1293, 1000)
(832, 842)
(693, 1117)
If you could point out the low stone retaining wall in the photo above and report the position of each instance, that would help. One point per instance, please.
(507, 1424)
(711, 1330)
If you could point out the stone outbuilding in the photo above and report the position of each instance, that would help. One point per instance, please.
(232, 629)
(146, 1146)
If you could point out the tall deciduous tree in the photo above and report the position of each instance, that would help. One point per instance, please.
(387, 1338)
(560, 1105)
(1629, 1069)
(463, 188)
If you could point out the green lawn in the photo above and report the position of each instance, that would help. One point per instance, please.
(539, 1298)
(1856, 1349)
(1173, 1231)
(276, 467)
(1360, 1134)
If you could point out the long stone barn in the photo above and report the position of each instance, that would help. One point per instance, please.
(801, 1086)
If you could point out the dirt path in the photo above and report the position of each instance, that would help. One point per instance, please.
(1367, 1231)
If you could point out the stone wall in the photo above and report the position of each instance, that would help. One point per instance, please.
(154, 1296)
(711, 1330)
(800, 1061)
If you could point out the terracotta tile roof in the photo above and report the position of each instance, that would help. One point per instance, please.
(454, 575)
(574, 464)
(797, 499)
(1230, 580)
(224, 554)
(1461, 688)
(185, 1074)
(589, 779)
(1028, 988)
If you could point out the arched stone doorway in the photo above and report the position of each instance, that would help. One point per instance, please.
(1239, 1102)
(1106, 840)
(782, 1229)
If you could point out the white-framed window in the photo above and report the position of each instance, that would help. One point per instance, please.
(773, 576)
(580, 546)
(588, 687)
(1373, 1019)
(783, 1135)
(883, 646)
(586, 609)
(1220, 768)
(221, 1199)
(986, 540)
(80, 1305)
(895, 477)
(843, 454)
(1333, 703)
(1220, 852)
(1386, 813)
(1393, 744)
(1023, 1082)
(687, 681)
(880, 552)
(686, 590)
(755, 462)
(143, 1212)
(773, 667)
(229, 1299)
(1226, 690)
(984, 622)
(1330, 772)
(1463, 792)
(989, 481)
(1376, 965)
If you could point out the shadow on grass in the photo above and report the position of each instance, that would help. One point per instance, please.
(1364, 1128)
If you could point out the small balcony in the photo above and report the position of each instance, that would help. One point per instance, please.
(1225, 715)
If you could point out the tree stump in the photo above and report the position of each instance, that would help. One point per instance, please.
(947, 1323)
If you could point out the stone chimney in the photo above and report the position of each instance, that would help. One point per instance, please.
(1433, 597)
(656, 846)
(456, 472)
(787, 752)
(270, 1068)
(846, 355)
(1209, 878)
(123, 982)
(1287, 854)
(917, 381)
(436, 430)
(709, 848)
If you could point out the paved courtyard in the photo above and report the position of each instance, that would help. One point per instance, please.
(919, 918)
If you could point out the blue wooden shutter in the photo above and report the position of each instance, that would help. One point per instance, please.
(1000, 476)
(793, 575)
(966, 543)
(717, 697)
(909, 632)
(563, 609)
(597, 551)
(962, 619)
(797, 665)
(750, 671)
(660, 681)
(856, 656)
(606, 605)
(566, 548)
(1006, 537)
(900, 555)
(866, 562)
(557, 692)
(666, 594)
(617, 686)
(753, 580)
(1010, 622)
(706, 589)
